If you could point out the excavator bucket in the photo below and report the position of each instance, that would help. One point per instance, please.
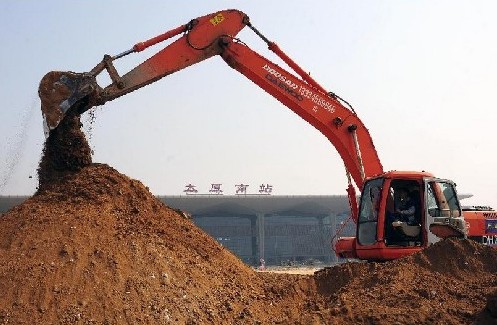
(62, 92)
(446, 231)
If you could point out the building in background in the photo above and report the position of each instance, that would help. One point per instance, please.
(281, 230)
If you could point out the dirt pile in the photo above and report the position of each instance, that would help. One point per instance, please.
(99, 248)
(447, 283)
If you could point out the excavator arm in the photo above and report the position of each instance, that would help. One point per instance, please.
(62, 91)
(203, 38)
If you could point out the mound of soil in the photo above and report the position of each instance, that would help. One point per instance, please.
(93, 246)
(447, 283)
(99, 248)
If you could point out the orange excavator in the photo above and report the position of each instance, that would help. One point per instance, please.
(398, 213)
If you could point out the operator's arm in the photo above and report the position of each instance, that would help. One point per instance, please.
(407, 212)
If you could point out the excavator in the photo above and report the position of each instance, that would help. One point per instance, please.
(383, 230)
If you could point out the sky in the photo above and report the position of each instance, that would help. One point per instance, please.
(421, 75)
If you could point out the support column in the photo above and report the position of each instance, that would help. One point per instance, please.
(333, 223)
(260, 235)
(254, 233)
(323, 242)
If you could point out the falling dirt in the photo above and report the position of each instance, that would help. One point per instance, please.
(93, 246)
(66, 149)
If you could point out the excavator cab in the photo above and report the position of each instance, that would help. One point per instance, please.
(401, 213)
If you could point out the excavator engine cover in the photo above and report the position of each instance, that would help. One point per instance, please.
(61, 92)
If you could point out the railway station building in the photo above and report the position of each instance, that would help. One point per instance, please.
(280, 230)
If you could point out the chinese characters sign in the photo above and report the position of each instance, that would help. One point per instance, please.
(265, 189)
(216, 189)
(240, 189)
(190, 189)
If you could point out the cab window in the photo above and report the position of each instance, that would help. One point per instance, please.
(442, 200)
(368, 212)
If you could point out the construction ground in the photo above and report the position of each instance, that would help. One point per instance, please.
(99, 248)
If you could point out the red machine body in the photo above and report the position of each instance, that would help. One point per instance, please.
(438, 209)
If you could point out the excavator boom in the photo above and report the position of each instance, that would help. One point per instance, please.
(323, 111)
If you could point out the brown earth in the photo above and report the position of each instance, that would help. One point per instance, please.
(447, 283)
(93, 246)
(98, 248)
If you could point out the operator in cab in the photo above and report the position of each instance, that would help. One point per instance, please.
(402, 217)
(405, 207)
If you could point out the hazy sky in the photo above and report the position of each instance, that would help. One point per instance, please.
(422, 75)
